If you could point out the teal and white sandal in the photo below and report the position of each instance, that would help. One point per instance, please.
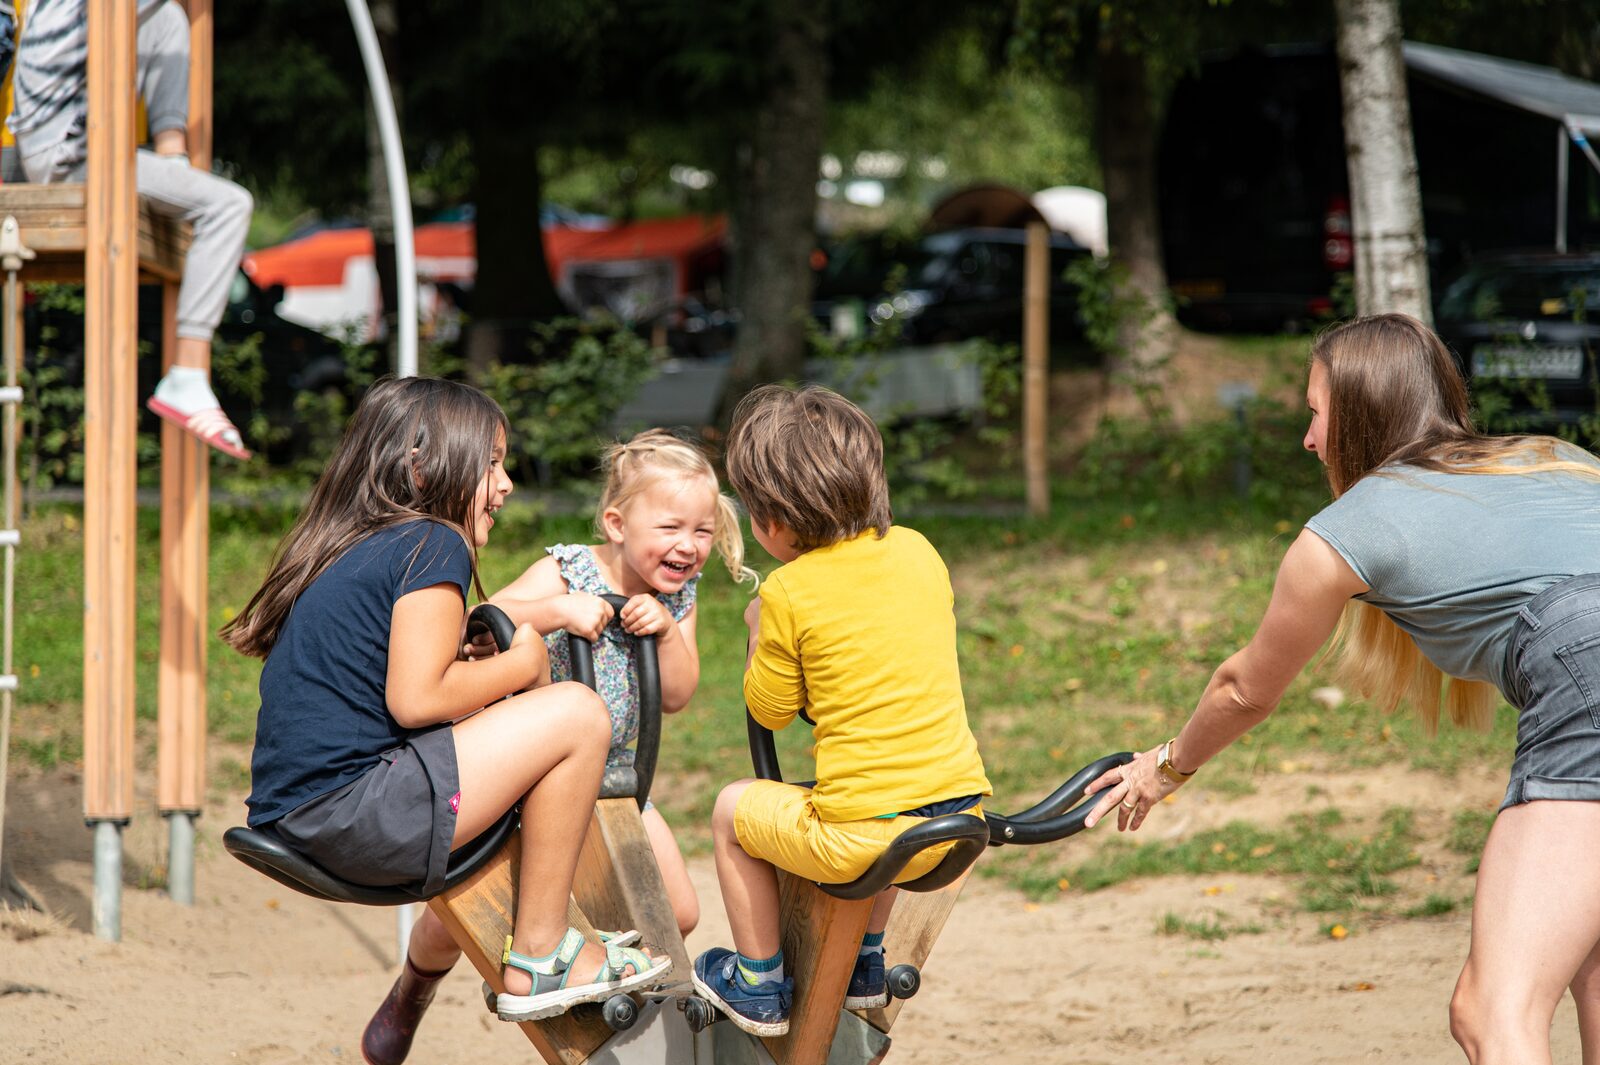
(552, 995)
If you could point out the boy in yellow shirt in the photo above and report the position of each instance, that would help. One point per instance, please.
(857, 628)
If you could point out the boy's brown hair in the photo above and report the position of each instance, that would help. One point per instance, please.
(811, 460)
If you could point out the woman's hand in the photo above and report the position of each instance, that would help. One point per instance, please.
(1133, 790)
(585, 615)
(645, 615)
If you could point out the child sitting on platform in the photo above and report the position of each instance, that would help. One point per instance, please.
(378, 751)
(857, 629)
(660, 516)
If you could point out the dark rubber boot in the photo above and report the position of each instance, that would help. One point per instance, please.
(387, 1039)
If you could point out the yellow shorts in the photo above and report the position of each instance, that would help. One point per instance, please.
(777, 823)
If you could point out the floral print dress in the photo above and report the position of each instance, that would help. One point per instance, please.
(614, 672)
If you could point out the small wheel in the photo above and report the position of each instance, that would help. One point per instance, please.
(698, 1012)
(489, 997)
(904, 980)
(619, 1013)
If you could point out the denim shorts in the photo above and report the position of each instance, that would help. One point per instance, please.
(392, 825)
(1553, 673)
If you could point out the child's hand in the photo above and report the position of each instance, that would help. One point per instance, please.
(585, 615)
(527, 639)
(480, 646)
(645, 615)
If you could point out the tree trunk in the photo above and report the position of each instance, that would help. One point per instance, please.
(1391, 263)
(775, 205)
(380, 208)
(513, 288)
(1125, 116)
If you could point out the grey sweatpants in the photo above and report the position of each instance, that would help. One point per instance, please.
(216, 208)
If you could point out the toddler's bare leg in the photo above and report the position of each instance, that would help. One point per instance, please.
(674, 874)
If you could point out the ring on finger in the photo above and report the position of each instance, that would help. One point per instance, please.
(1126, 805)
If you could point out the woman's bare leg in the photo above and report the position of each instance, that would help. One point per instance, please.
(1535, 923)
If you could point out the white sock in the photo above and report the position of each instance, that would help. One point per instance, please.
(188, 389)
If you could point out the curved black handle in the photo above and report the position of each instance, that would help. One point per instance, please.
(1046, 821)
(621, 783)
(967, 831)
(486, 617)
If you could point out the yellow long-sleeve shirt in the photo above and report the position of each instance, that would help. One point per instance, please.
(862, 635)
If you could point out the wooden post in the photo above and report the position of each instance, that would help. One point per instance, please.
(618, 883)
(185, 527)
(478, 914)
(914, 927)
(1035, 369)
(110, 408)
(821, 936)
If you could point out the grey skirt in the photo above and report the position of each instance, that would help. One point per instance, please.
(393, 825)
(1553, 671)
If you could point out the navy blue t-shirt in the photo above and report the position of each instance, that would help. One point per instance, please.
(324, 716)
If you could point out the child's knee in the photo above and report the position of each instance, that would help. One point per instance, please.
(722, 815)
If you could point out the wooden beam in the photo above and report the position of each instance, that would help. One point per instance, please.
(618, 883)
(478, 914)
(110, 410)
(185, 541)
(202, 64)
(914, 927)
(821, 937)
(1035, 368)
(54, 222)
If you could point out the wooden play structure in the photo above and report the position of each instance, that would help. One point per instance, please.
(99, 233)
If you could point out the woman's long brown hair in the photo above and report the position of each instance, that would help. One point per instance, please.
(1396, 398)
(416, 447)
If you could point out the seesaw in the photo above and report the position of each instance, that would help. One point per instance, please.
(616, 884)
(823, 923)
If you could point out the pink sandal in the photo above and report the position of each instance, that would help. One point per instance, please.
(211, 426)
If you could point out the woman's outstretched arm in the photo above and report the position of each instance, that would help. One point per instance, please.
(1314, 583)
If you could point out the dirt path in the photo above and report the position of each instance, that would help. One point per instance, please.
(256, 975)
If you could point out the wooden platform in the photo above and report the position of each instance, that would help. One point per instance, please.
(54, 224)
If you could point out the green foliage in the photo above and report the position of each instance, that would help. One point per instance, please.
(51, 449)
(1112, 310)
(562, 403)
(1433, 906)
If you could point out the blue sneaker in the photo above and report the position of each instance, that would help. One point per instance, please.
(869, 988)
(760, 1009)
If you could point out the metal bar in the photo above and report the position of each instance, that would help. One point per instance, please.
(10, 394)
(180, 857)
(1562, 152)
(107, 903)
(394, 165)
(12, 255)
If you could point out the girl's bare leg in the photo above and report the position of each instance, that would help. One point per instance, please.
(548, 748)
(1535, 924)
(674, 873)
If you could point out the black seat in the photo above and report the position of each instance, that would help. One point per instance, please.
(262, 850)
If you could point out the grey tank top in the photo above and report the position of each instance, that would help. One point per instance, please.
(1452, 557)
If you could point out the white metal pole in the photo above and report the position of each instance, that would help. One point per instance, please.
(394, 165)
(1561, 188)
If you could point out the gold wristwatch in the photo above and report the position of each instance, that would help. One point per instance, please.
(1166, 768)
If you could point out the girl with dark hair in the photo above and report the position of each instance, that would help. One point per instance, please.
(377, 750)
(1450, 567)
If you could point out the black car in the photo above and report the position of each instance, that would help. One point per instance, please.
(952, 285)
(1525, 329)
(294, 359)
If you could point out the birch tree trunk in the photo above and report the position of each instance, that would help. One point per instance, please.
(1391, 263)
(775, 205)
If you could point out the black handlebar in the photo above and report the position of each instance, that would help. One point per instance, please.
(622, 782)
(1045, 822)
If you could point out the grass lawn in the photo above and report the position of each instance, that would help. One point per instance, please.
(1092, 631)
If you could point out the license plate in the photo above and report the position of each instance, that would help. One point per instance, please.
(1560, 362)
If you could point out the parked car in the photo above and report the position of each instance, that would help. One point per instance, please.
(295, 359)
(954, 285)
(1525, 329)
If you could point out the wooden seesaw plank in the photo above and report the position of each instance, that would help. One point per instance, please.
(914, 927)
(821, 937)
(619, 886)
(478, 914)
